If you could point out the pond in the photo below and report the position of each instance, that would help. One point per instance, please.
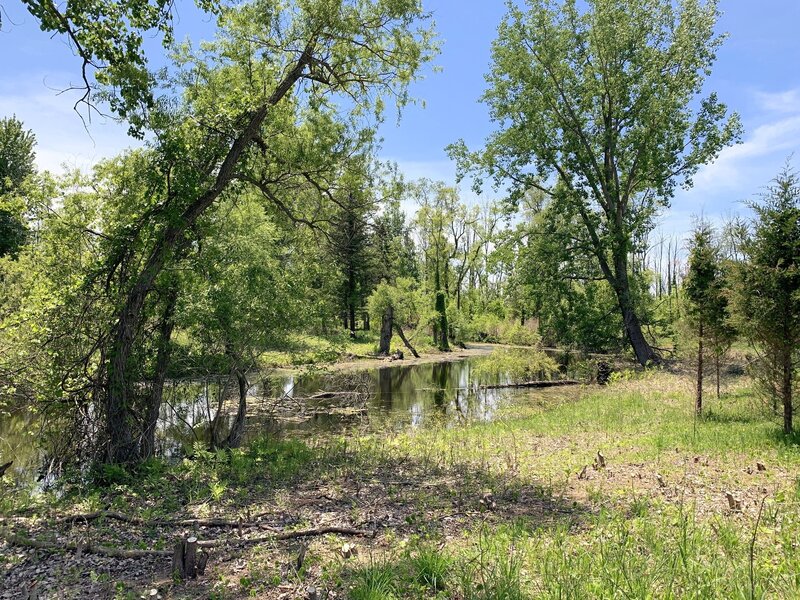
(389, 398)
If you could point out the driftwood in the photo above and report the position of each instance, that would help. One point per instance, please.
(533, 384)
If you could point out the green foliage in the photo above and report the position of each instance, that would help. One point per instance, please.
(238, 299)
(704, 286)
(108, 36)
(431, 567)
(766, 290)
(375, 582)
(409, 303)
(16, 165)
(520, 335)
(517, 364)
(16, 154)
(598, 110)
(485, 327)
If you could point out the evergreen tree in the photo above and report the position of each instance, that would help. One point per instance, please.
(766, 291)
(704, 288)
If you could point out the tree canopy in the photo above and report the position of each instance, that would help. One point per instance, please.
(600, 106)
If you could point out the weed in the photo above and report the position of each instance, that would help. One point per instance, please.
(431, 567)
(375, 582)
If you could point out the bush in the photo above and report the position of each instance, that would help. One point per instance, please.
(519, 335)
(486, 327)
(517, 364)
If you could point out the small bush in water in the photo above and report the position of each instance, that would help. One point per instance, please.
(518, 364)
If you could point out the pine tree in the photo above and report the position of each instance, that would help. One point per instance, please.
(766, 291)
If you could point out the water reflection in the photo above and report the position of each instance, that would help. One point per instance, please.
(397, 397)
(394, 397)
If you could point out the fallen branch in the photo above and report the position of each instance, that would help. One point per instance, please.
(104, 514)
(25, 542)
(286, 535)
(533, 384)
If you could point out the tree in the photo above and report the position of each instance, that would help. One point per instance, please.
(704, 287)
(237, 299)
(107, 36)
(563, 286)
(394, 245)
(398, 305)
(599, 107)
(395, 259)
(16, 164)
(350, 243)
(250, 125)
(435, 224)
(766, 290)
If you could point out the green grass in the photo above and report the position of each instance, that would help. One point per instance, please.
(305, 349)
(630, 543)
(615, 533)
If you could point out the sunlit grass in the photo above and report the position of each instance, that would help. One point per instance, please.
(613, 534)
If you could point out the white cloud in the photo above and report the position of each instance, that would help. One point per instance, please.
(737, 165)
(741, 172)
(782, 102)
(61, 136)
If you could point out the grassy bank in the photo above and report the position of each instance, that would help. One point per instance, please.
(517, 508)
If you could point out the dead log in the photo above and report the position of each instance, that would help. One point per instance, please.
(406, 342)
(190, 557)
(185, 560)
(179, 553)
(533, 384)
(202, 561)
(733, 503)
(178, 564)
(321, 395)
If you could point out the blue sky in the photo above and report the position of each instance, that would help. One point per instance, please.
(757, 74)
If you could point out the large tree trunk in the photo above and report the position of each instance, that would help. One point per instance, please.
(236, 434)
(387, 324)
(165, 328)
(698, 402)
(786, 390)
(633, 327)
(351, 312)
(121, 445)
(441, 311)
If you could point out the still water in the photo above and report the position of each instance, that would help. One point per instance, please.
(389, 398)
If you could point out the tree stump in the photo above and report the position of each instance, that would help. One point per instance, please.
(603, 372)
(186, 562)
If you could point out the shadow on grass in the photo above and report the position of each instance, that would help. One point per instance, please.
(287, 485)
(786, 440)
(724, 417)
